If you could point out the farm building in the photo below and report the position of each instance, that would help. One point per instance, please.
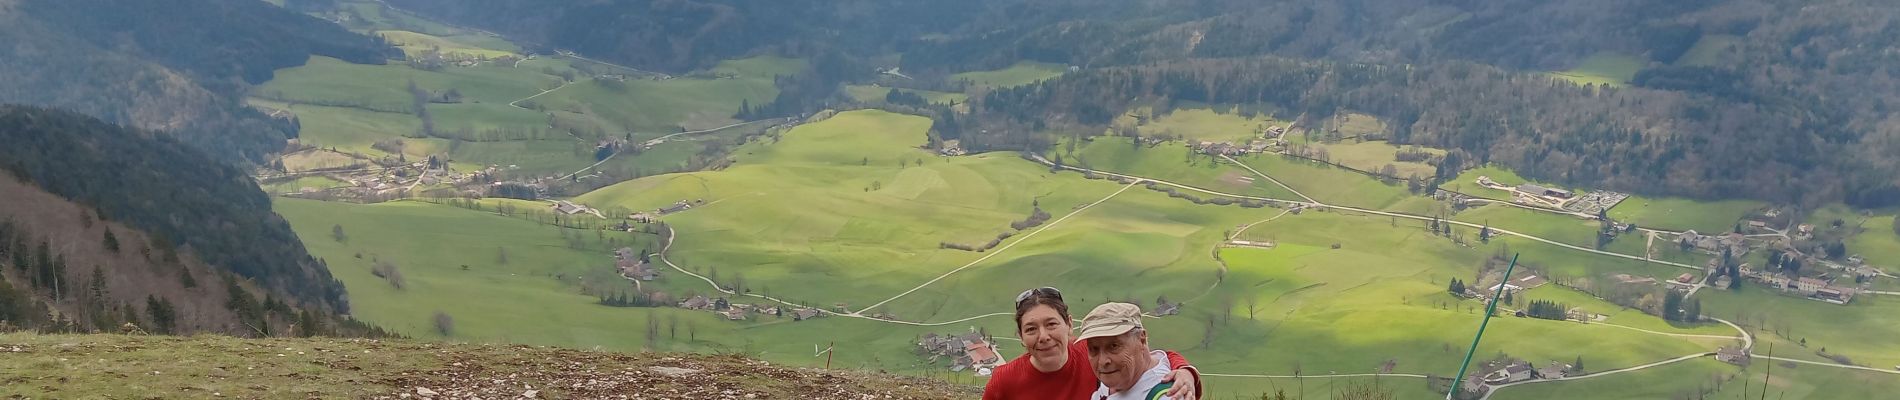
(1732, 355)
(1539, 190)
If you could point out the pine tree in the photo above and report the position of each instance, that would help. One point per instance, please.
(111, 241)
(164, 318)
(1672, 306)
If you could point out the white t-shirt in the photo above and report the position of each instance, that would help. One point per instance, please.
(1147, 381)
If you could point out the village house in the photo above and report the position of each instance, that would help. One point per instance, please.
(1757, 225)
(682, 205)
(696, 303)
(1475, 384)
(1498, 372)
(628, 263)
(1685, 278)
(804, 314)
(1164, 308)
(567, 207)
(1732, 355)
(1834, 295)
(1808, 286)
(1538, 190)
(734, 314)
(982, 354)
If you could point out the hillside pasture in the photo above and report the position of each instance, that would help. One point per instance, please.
(1022, 73)
(651, 108)
(415, 44)
(1171, 161)
(1678, 214)
(1204, 124)
(1608, 69)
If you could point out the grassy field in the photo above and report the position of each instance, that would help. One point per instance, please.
(385, 87)
(1603, 69)
(1862, 330)
(1206, 124)
(1709, 51)
(1683, 214)
(1375, 155)
(296, 185)
(1687, 378)
(1334, 185)
(1022, 73)
(1172, 161)
(876, 94)
(1467, 182)
(656, 107)
(851, 199)
(414, 44)
(1879, 244)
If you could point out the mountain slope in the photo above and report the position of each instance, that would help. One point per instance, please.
(172, 65)
(156, 183)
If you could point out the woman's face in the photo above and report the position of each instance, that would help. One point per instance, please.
(1044, 333)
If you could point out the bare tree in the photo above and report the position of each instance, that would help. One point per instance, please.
(1253, 304)
(444, 324)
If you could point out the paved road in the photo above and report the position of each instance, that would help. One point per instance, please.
(517, 103)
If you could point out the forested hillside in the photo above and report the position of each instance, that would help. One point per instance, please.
(152, 182)
(1632, 139)
(1747, 114)
(179, 66)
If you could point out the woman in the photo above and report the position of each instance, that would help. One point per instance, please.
(1056, 367)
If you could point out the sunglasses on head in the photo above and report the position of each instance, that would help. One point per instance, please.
(1043, 291)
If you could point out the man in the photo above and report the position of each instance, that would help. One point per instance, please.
(1118, 349)
(1056, 367)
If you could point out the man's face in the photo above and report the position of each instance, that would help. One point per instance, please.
(1044, 333)
(1120, 360)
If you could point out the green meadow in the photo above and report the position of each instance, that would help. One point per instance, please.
(1684, 214)
(656, 107)
(851, 202)
(331, 81)
(1879, 244)
(1467, 182)
(1171, 161)
(1605, 68)
(1022, 73)
(1334, 185)
(1207, 124)
(414, 44)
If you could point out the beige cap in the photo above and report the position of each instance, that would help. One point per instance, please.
(1112, 319)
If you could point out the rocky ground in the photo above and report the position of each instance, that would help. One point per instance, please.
(120, 366)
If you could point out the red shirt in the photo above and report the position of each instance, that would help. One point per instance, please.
(1018, 380)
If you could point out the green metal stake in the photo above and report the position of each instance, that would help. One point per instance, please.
(1488, 310)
